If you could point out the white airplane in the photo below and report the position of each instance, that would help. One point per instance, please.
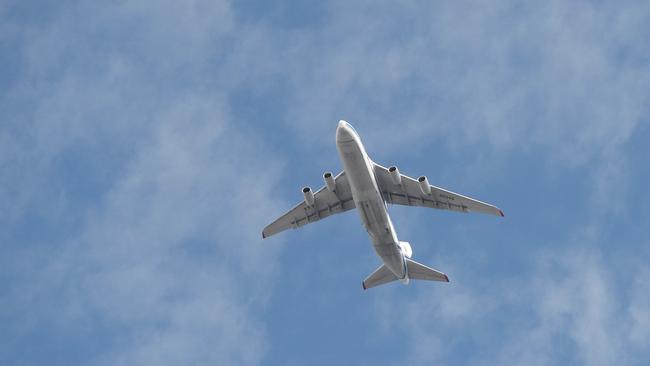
(368, 186)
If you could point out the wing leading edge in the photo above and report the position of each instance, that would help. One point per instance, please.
(409, 193)
(326, 203)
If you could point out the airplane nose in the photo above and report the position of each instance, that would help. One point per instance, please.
(344, 133)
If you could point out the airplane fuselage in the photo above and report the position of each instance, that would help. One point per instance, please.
(368, 187)
(368, 200)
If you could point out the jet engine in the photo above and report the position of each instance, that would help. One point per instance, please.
(395, 176)
(309, 196)
(424, 185)
(329, 181)
(405, 247)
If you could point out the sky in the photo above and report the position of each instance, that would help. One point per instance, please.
(144, 145)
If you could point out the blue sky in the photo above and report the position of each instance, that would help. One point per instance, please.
(145, 144)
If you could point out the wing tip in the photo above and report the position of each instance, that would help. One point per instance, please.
(363, 284)
(446, 278)
(501, 213)
(263, 235)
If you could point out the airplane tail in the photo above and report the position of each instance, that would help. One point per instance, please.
(415, 270)
(380, 276)
(418, 271)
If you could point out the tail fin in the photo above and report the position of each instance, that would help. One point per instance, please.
(419, 271)
(416, 271)
(380, 276)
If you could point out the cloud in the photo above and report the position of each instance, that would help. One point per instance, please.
(133, 179)
(166, 264)
(575, 300)
(512, 76)
(639, 309)
(569, 306)
(134, 239)
(175, 248)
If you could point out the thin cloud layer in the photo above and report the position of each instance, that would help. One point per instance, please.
(145, 144)
(513, 76)
(566, 308)
(133, 241)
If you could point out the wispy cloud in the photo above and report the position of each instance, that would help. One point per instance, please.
(512, 76)
(167, 259)
(568, 307)
(135, 188)
(146, 241)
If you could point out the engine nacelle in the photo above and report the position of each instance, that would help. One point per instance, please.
(329, 181)
(395, 176)
(424, 185)
(309, 196)
(405, 247)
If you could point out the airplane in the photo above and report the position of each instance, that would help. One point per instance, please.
(369, 187)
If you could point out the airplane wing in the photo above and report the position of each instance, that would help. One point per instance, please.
(409, 193)
(326, 203)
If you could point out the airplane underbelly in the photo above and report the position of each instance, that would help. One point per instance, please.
(365, 193)
(371, 206)
(376, 221)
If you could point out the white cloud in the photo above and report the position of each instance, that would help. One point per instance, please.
(185, 191)
(170, 256)
(167, 250)
(162, 264)
(570, 307)
(549, 76)
(639, 309)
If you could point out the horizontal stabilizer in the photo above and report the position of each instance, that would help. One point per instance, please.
(418, 271)
(380, 276)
